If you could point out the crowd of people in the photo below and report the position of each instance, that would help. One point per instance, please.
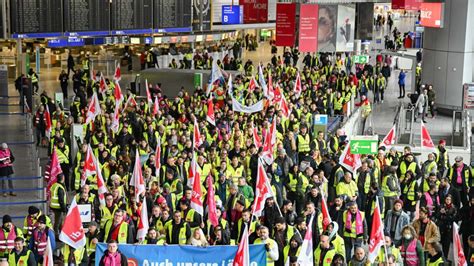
(419, 201)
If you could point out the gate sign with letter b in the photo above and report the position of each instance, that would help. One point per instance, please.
(232, 15)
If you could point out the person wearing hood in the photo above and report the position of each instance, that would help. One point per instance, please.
(435, 254)
(395, 220)
(387, 250)
(292, 249)
(336, 240)
(325, 252)
(359, 258)
(411, 248)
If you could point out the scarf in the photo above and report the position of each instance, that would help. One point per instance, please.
(113, 259)
(115, 231)
(358, 221)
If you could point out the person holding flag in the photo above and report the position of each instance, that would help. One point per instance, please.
(58, 201)
(40, 238)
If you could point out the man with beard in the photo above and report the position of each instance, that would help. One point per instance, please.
(270, 213)
(282, 234)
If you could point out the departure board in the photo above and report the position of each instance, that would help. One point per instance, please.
(36, 16)
(172, 13)
(132, 14)
(86, 15)
(2, 27)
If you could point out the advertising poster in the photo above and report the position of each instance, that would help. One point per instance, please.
(204, 7)
(255, 11)
(345, 28)
(285, 24)
(406, 4)
(327, 31)
(432, 15)
(365, 26)
(308, 38)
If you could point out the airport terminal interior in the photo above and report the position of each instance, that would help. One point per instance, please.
(249, 132)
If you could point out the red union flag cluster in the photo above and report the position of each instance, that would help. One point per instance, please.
(72, 232)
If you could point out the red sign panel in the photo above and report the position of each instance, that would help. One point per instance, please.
(255, 11)
(406, 4)
(308, 40)
(285, 24)
(432, 15)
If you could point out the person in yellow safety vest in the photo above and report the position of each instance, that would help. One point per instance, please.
(302, 142)
(348, 188)
(364, 178)
(325, 252)
(235, 170)
(408, 164)
(355, 228)
(76, 257)
(92, 238)
(390, 187)
(334, 142)
(150, 59)
(179, 231)
(282, 233)
(243, 222)
(117, 229)
(107, 212)
(391, 250)
(320, 144)
(34, 80)
(338, 104)
(336, 240)
(21, 255)
(62, 150)
(442, 158)
(411, 192)
(292, 250)
(58, 202)
(428, 181)
(8, 233)
(153, 238)
(31, 221)
(191, 217)
(173, 64)
(435, 254)
(429, 166)
(270, 245)
(381, 85)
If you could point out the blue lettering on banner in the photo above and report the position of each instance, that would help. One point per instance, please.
(232, 15)
(174, 255)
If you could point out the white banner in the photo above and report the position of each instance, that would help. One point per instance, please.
(238, 107)
(86, 212)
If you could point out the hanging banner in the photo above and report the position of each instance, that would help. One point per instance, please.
(327, 28)
(407, 4)
(183, 255)
(432, 15)
(308, 39)
(255, 11)
(345, 28)
(285, 24)
(238, 107)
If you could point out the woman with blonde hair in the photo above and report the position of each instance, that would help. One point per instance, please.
(198, 239)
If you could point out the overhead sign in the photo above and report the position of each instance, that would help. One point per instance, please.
(407, 4)
(285, 24)
(361, 59)
(308, 37)
(255, 11)
(432, 15)
(364, 144)
(232, 15)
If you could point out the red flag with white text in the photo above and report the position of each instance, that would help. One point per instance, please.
(376, 236)
(143, 224)
(325, 211)
(389, 139)
(196, 196)
(298, 88)
(242, 257)
(72, 232)
(49, 124)
(197, 139)
(210, 117)
(211, 202)
(263, 190)
(103, 88)
(137, 177)
(117, 74)
(52, 172)
(94, 109)
(459, 257)
(306, 256)
(426, 141)
(350, 161)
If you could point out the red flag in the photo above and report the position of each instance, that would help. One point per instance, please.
(137, 178)
(376, 236)
(306, 256)
(196, 196)
(116, 119)
(210, 117)
(211, 202)
(118, 94)
(101, 187)
(90, 166)
(459, 257)
(197, 139)
(389, 140)
(148, 94)
(285, 110)
(158, 157)
(131, 102)
(298, 88)
(94, 109)
(350, 161)
(276, 95)
(270, 141)
(242, 257)
(72, 232)
(117, 74)
(426, 141)
(256, 138)
(271, 92)
(48, 255)
(263, 190)
(325, 211)
(252, 85)
(156, 107)
(52, 172)
(143, 224)
(192, 171)
(103, 85)
(49, 124)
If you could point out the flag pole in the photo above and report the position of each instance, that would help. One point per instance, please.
(381, 229)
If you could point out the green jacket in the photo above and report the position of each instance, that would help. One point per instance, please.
(247, 191)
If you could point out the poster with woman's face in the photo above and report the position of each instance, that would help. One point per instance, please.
(345, 28)
(327, 28)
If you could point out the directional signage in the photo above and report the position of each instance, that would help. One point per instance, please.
(232, 15)
(364, 144)
(320, 120)
(361, 59)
